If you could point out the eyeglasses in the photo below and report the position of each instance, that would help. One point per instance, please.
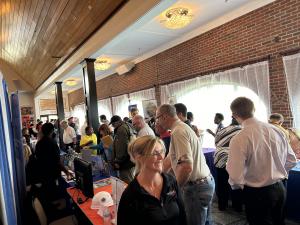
(157, 153)
(160, 115)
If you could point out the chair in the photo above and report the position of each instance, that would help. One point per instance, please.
(39, 210)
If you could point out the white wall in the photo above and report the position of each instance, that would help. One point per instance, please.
(26, 99)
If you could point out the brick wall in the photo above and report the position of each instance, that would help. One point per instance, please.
(272, 30)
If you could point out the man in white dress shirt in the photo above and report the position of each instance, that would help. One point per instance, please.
(69, 135)
(141, 126)
(259, 159)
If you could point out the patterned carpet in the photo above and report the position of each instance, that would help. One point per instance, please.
(231, 217)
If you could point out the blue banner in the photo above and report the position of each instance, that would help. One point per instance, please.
(9, 215)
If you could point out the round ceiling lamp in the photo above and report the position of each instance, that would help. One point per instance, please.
(71, 82)
(102, 63)
(177, 18)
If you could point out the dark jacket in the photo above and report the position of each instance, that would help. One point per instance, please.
(48, 159)
(122, 136)
(138, 207)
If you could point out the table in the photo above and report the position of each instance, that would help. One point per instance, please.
(85, 208)
(293, 194)
(209, 157)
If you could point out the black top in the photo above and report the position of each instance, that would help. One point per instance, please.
(48, 159)
(188, 122)
(138, 207)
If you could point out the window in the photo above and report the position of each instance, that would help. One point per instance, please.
(120, 105)
(292, 72)
(104, 107)
(205, 102)
(79, 112)
(207, 95)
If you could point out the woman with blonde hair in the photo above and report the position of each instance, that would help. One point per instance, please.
(152, 197)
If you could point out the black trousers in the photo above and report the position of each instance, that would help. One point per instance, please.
(265, 205)
(223, 188)
(224, 191)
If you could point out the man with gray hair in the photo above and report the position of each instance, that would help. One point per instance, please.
(69, 135)
(188, 163)
(141, 126)
(277, 120)
(260, 157)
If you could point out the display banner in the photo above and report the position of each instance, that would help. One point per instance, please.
(8, 207)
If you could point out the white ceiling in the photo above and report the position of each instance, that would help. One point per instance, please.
(148, 36)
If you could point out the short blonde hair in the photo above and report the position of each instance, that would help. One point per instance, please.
(143, 146)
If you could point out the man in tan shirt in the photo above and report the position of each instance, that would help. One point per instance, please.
(187, 161)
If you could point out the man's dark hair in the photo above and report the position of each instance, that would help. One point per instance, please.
(126, 119)
(181, 108)
(189, 115)
(234, 121)
(47, 129)
(87, 128)
(220, 116)
(242, 107)
(102, 117)
(134, 109)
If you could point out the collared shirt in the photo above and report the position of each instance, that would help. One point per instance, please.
(146, 130)
(222, 140)
(138, 207)
(259, 155)
(185, 145)
(219, 128)
(69, 134)
(86, 138)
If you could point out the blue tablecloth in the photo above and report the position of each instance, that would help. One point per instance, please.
(293, 194)
(209, 156)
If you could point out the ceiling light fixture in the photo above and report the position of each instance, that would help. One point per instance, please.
(71, 82)
(102, 63)
(177, 18)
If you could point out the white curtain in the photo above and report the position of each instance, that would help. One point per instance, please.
(292, 72)
(139, 96)
(104, 107)
(79, 112)
(120, 105)
(254, 77)
(207, 95)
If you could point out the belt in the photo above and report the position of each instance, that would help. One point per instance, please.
(263, 188)
(200, 180)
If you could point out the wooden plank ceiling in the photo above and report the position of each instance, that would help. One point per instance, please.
(36, 36)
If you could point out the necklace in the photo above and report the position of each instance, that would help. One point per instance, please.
(155, 191)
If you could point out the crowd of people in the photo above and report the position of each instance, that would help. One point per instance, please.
(161, 160)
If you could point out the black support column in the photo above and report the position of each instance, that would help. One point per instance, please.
(90, 93)
(60, 110)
